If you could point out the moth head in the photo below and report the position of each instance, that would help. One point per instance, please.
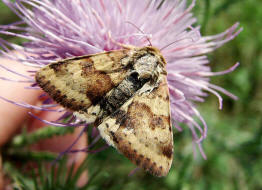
(149, 64)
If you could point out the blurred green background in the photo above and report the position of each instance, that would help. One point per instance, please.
(234, 143)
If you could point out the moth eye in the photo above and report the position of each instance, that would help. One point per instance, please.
(134, 75)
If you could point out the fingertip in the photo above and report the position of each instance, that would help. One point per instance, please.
(59, 144)
(12, 116)
(1, 175)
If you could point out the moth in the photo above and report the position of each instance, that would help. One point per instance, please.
(125, 94)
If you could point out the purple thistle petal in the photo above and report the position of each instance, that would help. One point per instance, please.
(95, 132)
(29, 106)
(19, 81)
(69, 148)
(89, 151)
(47, 101)
(56, 124)
(32, 88)
(14, 72)
(209, 74)
(133, 171)
(67, 115)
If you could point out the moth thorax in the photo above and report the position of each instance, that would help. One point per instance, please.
(146, 66)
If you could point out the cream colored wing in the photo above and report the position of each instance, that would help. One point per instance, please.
(79, 82)
(142, 131)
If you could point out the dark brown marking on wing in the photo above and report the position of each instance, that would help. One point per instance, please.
(156, 122)
(120, 116)
(98, 82)
(92, 83)
(114, 137)
(87, 66)
(167, 150)
(138, 112)
(57, 66)
(135, 114)
(139, 159)
(169, 123)
(118, 96)
(56, 94)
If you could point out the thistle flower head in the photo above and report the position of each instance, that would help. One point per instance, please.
(57, 29)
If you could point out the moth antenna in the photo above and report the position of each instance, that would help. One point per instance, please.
(174, 42)
(118, 43)
(197, 33)
(140, 31)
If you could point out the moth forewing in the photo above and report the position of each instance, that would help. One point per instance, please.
(79, 82)
(141, 130)
(124, 93)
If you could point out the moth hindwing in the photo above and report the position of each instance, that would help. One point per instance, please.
(125, 94)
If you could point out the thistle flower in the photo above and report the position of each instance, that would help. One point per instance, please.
(57, 29)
